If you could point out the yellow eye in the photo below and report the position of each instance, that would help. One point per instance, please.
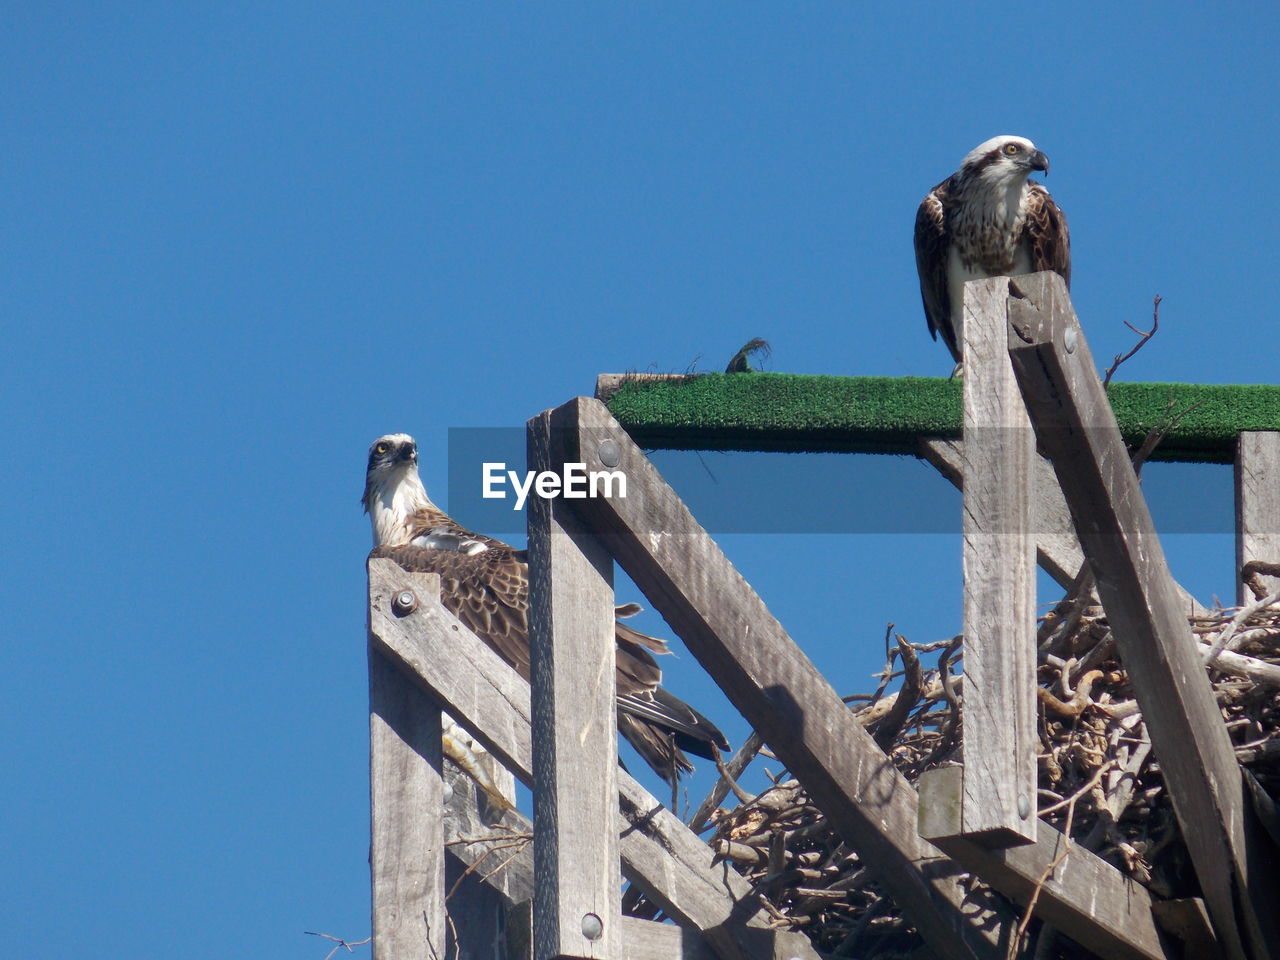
(1011, 148)
(381, 448)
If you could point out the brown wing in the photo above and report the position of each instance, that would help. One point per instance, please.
(933, 241)
(1046, 228)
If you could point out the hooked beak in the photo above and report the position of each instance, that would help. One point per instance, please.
(408, 453)
(1040, 162)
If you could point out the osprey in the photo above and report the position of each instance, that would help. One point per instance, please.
(986, 220)
(485, 584)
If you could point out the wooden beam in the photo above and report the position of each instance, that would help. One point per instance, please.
(999, 710)
(1084, 897)
(728, 628)
(406, 851)
(641, 939)
(646, 940)
(577, 903)
(1257, 505)
(1075, 426)
(491, 701)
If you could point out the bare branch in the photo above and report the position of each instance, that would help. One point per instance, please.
(1144, 334)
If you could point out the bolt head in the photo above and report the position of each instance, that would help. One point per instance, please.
(1024, 806)
(592, 927)
(404, 603)
(1069, 338)
(610, 453)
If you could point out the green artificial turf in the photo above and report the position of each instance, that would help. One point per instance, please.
(805, 413)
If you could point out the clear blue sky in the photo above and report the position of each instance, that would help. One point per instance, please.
(241, 240)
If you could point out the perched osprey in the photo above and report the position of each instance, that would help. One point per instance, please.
(986, 220)
(485, 584)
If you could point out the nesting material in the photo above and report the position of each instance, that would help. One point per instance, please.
(1098, 775)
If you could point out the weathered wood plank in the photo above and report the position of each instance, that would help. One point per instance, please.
(646, 940)
(1084, 897)
(406, 855)
(577, 904)
(491, 701)
(1075, 426)
(727, 627)
(1257, 504)
(999, 582)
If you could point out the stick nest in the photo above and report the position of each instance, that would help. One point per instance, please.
(1098, 778)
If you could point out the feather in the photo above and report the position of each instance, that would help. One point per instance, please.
(1046, 229)
(932, 242)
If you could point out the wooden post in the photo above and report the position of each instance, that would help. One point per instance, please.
(1075, 426)
(1257, 504)
(406, 795)
(999, 783)
(577, 901)
(671, 864)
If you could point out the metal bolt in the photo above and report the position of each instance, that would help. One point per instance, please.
(592, 928)
(1024, 806)
(448, 792)
(404, 603)
(1069, 339)
(610, 453)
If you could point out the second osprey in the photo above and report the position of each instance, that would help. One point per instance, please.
(986, 220)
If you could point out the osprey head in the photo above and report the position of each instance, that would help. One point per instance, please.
(1004, 159)
(391, 459)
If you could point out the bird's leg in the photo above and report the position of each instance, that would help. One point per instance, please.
(465, 760)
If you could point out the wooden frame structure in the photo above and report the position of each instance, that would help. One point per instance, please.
(941, 854)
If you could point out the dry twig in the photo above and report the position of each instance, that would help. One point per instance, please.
(1145, 336)
(348, 944)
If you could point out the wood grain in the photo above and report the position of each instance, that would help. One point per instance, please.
(406, 853)
(575, 736)
(999, 711)
(1057, 546)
